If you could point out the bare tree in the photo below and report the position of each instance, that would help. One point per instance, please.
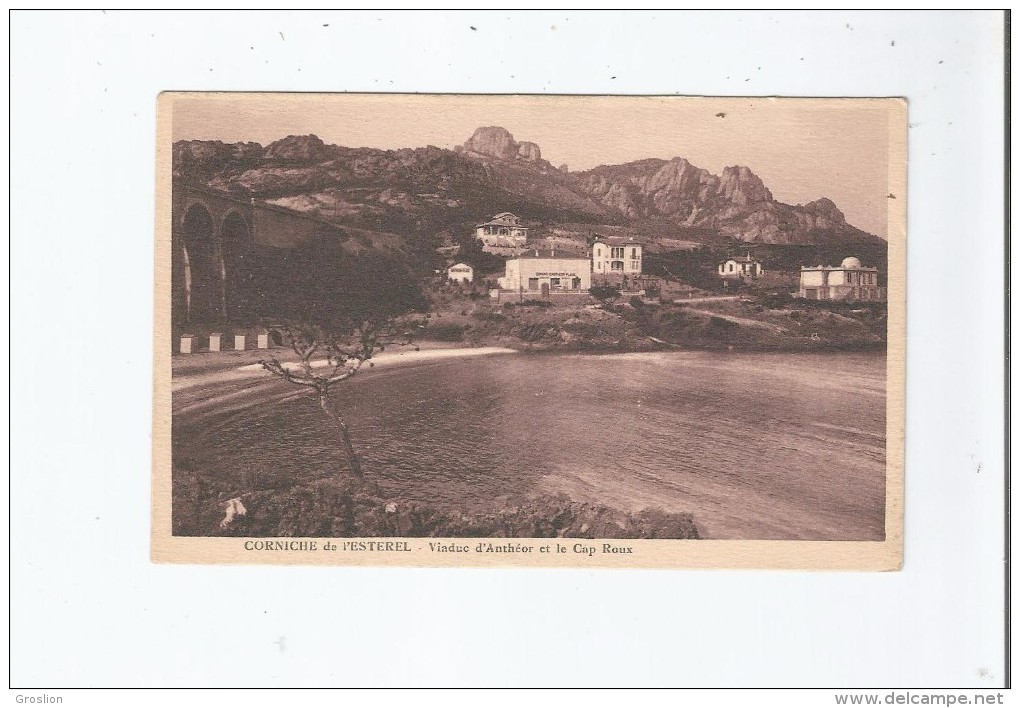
(338, 310)
(343, 350)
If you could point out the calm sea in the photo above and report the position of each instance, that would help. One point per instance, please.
(755, 446)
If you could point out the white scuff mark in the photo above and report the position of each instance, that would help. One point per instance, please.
(233, 508)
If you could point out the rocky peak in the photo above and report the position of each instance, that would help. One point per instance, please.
(676, 170)
(739, 185)
(193, 151)
(529, 151)
(492, 141)
(200, 158)
(498, 143)
(825, 207)
(297, 148)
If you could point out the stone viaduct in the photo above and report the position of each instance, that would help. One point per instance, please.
(215, 237)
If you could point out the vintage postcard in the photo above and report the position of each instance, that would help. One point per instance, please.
(555, 331)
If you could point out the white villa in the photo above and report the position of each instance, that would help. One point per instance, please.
(616, 255)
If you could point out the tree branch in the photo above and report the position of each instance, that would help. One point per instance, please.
(346, 350)
(273, 366)
(351, 371)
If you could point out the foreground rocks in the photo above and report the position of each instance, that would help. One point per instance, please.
(347, 507)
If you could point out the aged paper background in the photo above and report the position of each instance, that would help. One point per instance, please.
(89, 608)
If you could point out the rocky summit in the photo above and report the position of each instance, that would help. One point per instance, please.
(497, 143)
(299, 149)
(422, 191)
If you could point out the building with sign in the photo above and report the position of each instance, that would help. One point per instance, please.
(540, 272)
(461, 273)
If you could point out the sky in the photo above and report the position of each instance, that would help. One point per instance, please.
(803, 149)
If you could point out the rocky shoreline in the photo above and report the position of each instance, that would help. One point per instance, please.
(639, 327)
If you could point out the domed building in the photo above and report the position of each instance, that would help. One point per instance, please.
(848, 281)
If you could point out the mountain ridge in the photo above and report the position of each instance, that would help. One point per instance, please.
(422, 190)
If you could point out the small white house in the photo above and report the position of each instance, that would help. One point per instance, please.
(461, 273)
(740, 267)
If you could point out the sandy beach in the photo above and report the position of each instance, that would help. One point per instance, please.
(211, 368)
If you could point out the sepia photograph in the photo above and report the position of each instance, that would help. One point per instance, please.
(582, 318)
